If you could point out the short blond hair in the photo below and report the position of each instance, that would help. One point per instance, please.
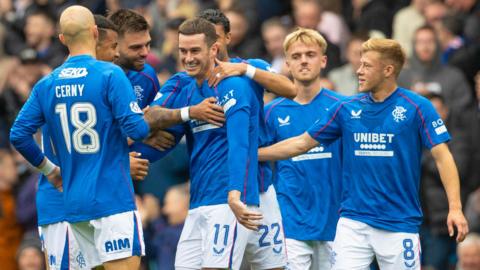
(389, 49)
(306, 36)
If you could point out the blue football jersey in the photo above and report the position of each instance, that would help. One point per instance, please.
(176, 85)
(145, 84)
(382, 147)
(308, 186)
(49, 201)
(221, 158)
(86, 104)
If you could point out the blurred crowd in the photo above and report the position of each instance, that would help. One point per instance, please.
(441, 38)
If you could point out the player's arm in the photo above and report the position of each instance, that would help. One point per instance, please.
(158, 117)
(451, 182)
(274, 82)
(237, 116)
(287, 148)
(152, 153)
(28, 121)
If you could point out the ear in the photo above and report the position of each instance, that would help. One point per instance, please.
(214, 50)
(95, 32)
(323, 62)
(61, 37)
(389, 71)
(228, 38)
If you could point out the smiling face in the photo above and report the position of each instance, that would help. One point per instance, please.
(133, 48)
(370, 73)
(195, 55)
(305, 61)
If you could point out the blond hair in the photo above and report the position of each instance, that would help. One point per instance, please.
(389, 49)
(306, 36)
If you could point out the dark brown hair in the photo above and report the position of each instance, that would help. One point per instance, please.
(199, 26)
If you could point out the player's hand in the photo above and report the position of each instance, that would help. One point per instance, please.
(224, 70)
(208, 111)
(247, 218)
(161, 140)
(138, 166)
(55, 178)
(456, 220)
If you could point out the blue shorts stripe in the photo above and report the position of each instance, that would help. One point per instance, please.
(136, 246)
(230, 260)
(65, 265)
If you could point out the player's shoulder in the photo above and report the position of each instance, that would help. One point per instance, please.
(413, 100)
(278, 103)
(238, 83)
(148, 69)
(178, 80)
(259, 63)
(107, 68)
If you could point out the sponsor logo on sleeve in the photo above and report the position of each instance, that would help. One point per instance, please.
(439, 126)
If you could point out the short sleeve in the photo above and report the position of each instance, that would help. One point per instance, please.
(327, 128)
(432, 128)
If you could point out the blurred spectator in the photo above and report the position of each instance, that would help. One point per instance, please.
(437, 246)
(406, 21)
(40, 36)
(11, 235)
(158, 17)
(242, 44)
(164, 232)
(373, 16)
(29, 254)
(472, 211)
(274, 33)
(469, 253)
(182, 8)
(168, 55)
(456, 50)
(175, 210)
(345, 77)
(20, 80)
(434, 12)
(426, 74)
(314, 16)
(307, 14)
(247, 7)
(477, 89)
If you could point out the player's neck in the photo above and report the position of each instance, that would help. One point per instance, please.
(307, 91)
(82, 49)
(384, 90)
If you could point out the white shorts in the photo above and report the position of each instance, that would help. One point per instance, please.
(61, 247)
(356, 244)
(211, 238)
(314, 255)
(110, 238)
(266, 247)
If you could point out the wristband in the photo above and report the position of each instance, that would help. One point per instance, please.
(250, 73)
(47, 168)
(185, 114)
